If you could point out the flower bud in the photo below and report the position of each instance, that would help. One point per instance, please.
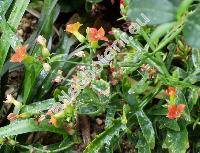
(46, 67)
(45, 52)
(171, 92)
(41, 40)
(58, 79)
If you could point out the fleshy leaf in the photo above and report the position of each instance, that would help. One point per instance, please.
(191, 29)
(147, 128)
(156, 11)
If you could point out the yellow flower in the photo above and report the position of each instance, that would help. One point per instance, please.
(73, 28)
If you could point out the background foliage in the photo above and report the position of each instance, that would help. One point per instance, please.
(134, 112)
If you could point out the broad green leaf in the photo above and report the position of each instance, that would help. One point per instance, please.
(126, 84)
(140, 86)
(194, 77)
(102, 88)
(89, 103)
(28, 125)
(142, 145)
(4, 5)
(178, 73)
(132, 101)
(157, 11)
(191, 29)
(38, 107)
(65, 44)
(192, 98)
(110, 114)
(160, 31)
(105, 137)
(12, 38)
(157, 110)
(180, 99)
(168, 123)
(147, 128)
(196, 58)
(175, 2)
(177, 141)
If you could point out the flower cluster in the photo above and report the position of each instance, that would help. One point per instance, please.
(174, 110)
(93, 34)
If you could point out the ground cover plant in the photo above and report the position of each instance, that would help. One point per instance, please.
(100, 76)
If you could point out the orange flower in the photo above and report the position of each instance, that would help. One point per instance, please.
(73, 28)
(53, 121)
(19, 55)
(170, 91)
(175, 111)
(95, 35)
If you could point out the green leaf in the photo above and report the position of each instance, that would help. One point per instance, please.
(178, 73)
(141, 86)
(158, 63)
(14, 20)
(105, 137)
(4, 6)
(65, 44)
(168, 123)
(32, 70)
(47, 10)
(142, 145)
(191, 29)
(157, 11)
(38, 107)
(192, 98)
(48, 27)
(180, 99)
(196, 58)
(158, 110)
(147, 128)
(177, 141)
(27, 125)
(94, 1)
(89, 103)
(183, 8)
(110, 115)
(13, 40)
(160, 31)
(126, 84)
